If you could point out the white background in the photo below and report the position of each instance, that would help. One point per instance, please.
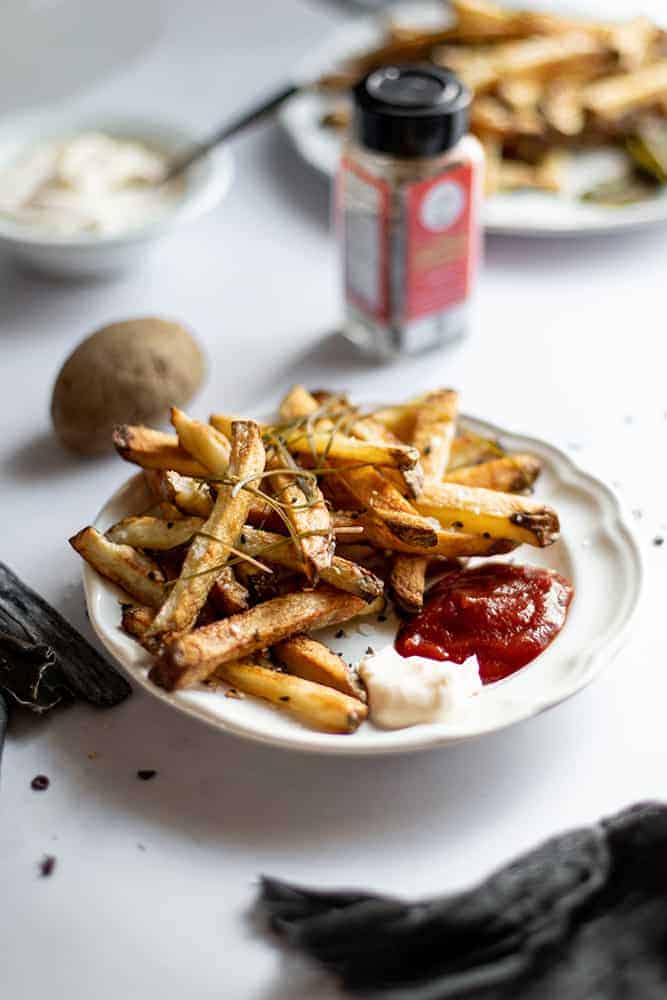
(153, 881)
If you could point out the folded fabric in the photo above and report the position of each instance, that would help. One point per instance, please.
(582, 917)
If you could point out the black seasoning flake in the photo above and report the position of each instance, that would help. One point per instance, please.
(370, 651)
(151, 575)
(486, 534)
(170, 524)
(146, 774)
(258, 637)
(40, 783)
(284, 697)
(46, 865)
(658, 540)
(340, 634)
(244, 539)
(382, 618)
(457, 524)
(427, 450)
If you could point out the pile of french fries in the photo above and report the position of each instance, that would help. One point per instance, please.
(259, 535)
(543, 84)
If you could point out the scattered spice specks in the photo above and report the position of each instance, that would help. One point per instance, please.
(40, 783)
(340, 633)
(370, 651)
(146, 774)
(658, 540)
(46, 865)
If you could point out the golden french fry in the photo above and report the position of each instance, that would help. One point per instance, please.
(618, 95)
(342, 574)
(342, 447)
(306, 510)
(138, 575)
(136, 620)
(407, 581)
(368, 485)
(148, 532)
(489, 513)
(449, 544)
(154, 450)
(471, 449)
(316, 706)
(228, 595)
(508, 475)
(211, 547)
(312, 660)
(193, 657)
(434, 431)
(370, 429)
(207, 445)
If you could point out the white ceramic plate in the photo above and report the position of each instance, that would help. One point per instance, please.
(518, 213)
(597, 552)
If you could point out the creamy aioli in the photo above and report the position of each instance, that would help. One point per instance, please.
(403, 691)
(89, 183)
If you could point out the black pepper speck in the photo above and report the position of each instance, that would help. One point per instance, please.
(46, 865)
(146, 774)
(658, 540)
(40, 783)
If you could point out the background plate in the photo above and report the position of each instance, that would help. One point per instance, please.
(597, 552)
(517, 213)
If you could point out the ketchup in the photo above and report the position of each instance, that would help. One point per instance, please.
(505, 615)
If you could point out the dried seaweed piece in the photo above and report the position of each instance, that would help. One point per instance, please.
(584, 915)
(43, 660)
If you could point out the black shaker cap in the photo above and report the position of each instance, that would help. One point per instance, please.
(410, 110)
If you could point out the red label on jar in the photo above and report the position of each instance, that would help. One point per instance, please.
(441, 248)
(364, 216)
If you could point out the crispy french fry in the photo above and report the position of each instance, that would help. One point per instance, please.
(342, 447)
(193, 657)
(207, 445)
(210, 549)
(306, 510)
(316, 706)
(138, 575)
(342, 574)
(489, 513)
(312, 660)
(508, 475)
(449, 544)
(154, 450)
(407, 581)
(368, 485)
(190, 496)
(625, 92)
(369, 429)
(136, 620)
(228, 595)
(471, 449)
(153, 532)
(434, 432)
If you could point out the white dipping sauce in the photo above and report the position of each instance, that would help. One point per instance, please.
(403, 691)
(89, 183)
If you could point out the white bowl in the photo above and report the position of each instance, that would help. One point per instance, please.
(88, 254)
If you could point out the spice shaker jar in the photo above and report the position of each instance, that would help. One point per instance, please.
(409, 193)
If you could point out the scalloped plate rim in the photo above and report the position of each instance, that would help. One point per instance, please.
(593, 657)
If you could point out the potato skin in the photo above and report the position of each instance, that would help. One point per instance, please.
(128, 372)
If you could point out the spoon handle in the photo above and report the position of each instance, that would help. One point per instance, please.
(237, 124)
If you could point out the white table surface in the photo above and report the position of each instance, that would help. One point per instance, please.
(153, 880)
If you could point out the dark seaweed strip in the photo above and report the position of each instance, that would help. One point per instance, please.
(43, 660)
(583, 917)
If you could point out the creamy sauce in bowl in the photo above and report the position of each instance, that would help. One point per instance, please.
(87, 184)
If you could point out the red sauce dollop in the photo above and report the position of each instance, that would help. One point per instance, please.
(505, 615)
